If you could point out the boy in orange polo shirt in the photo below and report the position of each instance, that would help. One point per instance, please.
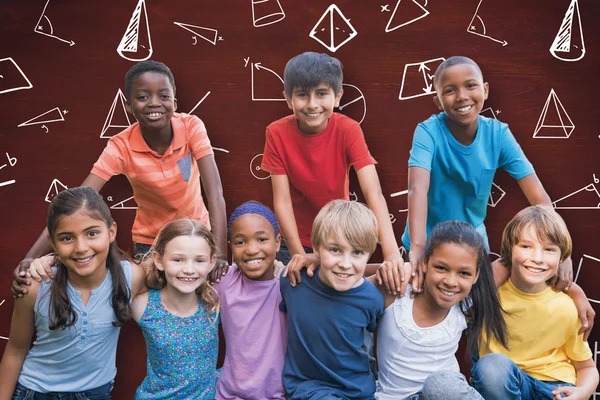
(162, 155)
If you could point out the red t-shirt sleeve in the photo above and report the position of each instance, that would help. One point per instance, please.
(358, 152)
(272, 162)
(111, 162)
(198, 140)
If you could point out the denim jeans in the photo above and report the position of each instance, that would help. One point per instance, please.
(284, 254)
(496, 376)
(99, 393)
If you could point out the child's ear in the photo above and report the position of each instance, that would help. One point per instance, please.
(213, 259)
(112, 232)
(277, 242)
(438, 103)
(288, 100)
(51, 243)
(128, 107)
(486, 90)
(339, 97)
(157, 261)
(174, 104)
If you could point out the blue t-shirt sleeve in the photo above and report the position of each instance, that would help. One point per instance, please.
(376, 310)
(423, 148)
(512, 159)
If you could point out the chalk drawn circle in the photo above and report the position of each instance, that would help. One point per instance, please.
(255, 169)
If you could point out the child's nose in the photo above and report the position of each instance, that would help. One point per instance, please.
(81, 246)
(312, 101)
(450, 280)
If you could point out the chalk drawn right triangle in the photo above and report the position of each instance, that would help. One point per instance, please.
(586, 198)
(13, 77)
(405, 13)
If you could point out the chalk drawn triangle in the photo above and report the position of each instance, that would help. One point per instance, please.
(568, 44)
(208, 34)
(55, 187)
(586, 277)
(13, 77)
(496, 194)
(127, 204)
(409, 12)
(117, 118)
(554, 122)
(333, 29)
(136, 43)
(586, 198)
(54, 115)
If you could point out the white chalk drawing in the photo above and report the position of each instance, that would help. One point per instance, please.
(12, 161)
(6, 183)
(417, 79)
(220, 149)
(198, 103)
(586, 277)
(568, 44)
(586, 198)
(595, 355)
(477, 22)
(392, 218)
(13, 77)
(496, 194)
(116, 122)
(333, 29)
(406, 12)
(403, 253)
(3, 337)
(208, 34)
(265, 72)
(55, 187)
(127, 204)
(404, 195)
(256, 170)
(353, 95)
(266, 12)
(136, 44)
(353, 196)
(554, 122)
(489, 112)
(44, 27)
(54, 115)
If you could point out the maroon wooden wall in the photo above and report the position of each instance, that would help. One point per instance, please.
(62, 64)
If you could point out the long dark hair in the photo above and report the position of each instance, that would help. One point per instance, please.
(61, 313)
(485, 313)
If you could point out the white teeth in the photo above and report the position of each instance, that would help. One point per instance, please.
(342, 275)
(187, 279)
(447, 293)
(155, 114)
(256, 261)
(536, 270)
(464, 109)
(313, 115)
(82, 260)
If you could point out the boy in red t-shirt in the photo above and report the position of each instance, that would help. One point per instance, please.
(309, 155)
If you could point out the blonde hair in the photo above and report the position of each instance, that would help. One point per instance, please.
(548, 225)
(155, 278)
(350, 220)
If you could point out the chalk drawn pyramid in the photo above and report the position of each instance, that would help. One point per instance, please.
(333, 30)
(568, 44)
(496, 194)
(136, 43)
(208, 34)
(586, 277)
(488, 112)
(54, 115)
(586, 198)
(55, 187)
(554, 122)
(127, 204)
(12, 76)
(117, 118)
(406, 12)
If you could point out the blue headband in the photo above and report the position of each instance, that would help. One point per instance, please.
(254, 207)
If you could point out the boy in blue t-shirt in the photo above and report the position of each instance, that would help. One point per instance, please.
(328, 314)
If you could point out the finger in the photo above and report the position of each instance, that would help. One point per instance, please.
(419, 279)
(378, 277)
(397, 275)
(297, 276)
(389, 283)
(310, 270)
(553, 281)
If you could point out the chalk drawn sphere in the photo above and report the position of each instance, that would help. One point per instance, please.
(256, 170)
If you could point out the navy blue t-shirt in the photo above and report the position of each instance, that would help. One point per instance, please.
(325, 334)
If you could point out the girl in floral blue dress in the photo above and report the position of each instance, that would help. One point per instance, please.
(179, 315)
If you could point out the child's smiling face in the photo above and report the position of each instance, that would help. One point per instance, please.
(461, 93)
(152, 101)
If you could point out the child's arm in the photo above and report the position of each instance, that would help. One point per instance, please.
(584, 309)
(211, 181)
(418, 187)
(376, 280)
(534, 191)
(587, 381)
(21, 330)
(42, 246)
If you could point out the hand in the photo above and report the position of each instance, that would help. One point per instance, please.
(570, 392)
(563, 279)
(501, 272)
(41, 268)
(414, 257)
(21, 278)
(586, 316)
(299, 261)
(391, 274)
(278, 266)
(220, 270)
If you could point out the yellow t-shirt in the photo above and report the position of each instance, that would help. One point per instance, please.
(542, 333)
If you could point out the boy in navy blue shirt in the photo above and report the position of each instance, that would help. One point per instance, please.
(328, 313)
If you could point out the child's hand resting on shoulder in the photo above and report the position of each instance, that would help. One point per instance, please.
(395, 275)
(299, 261)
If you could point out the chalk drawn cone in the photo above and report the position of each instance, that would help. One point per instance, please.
(568, 44)
(136, 44)
(266, 12)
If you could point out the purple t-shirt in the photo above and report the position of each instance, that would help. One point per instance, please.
(255, 336)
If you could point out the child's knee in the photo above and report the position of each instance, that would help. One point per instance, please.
(445, 385)
(492, 370)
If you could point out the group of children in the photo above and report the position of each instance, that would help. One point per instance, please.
(307, 335)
